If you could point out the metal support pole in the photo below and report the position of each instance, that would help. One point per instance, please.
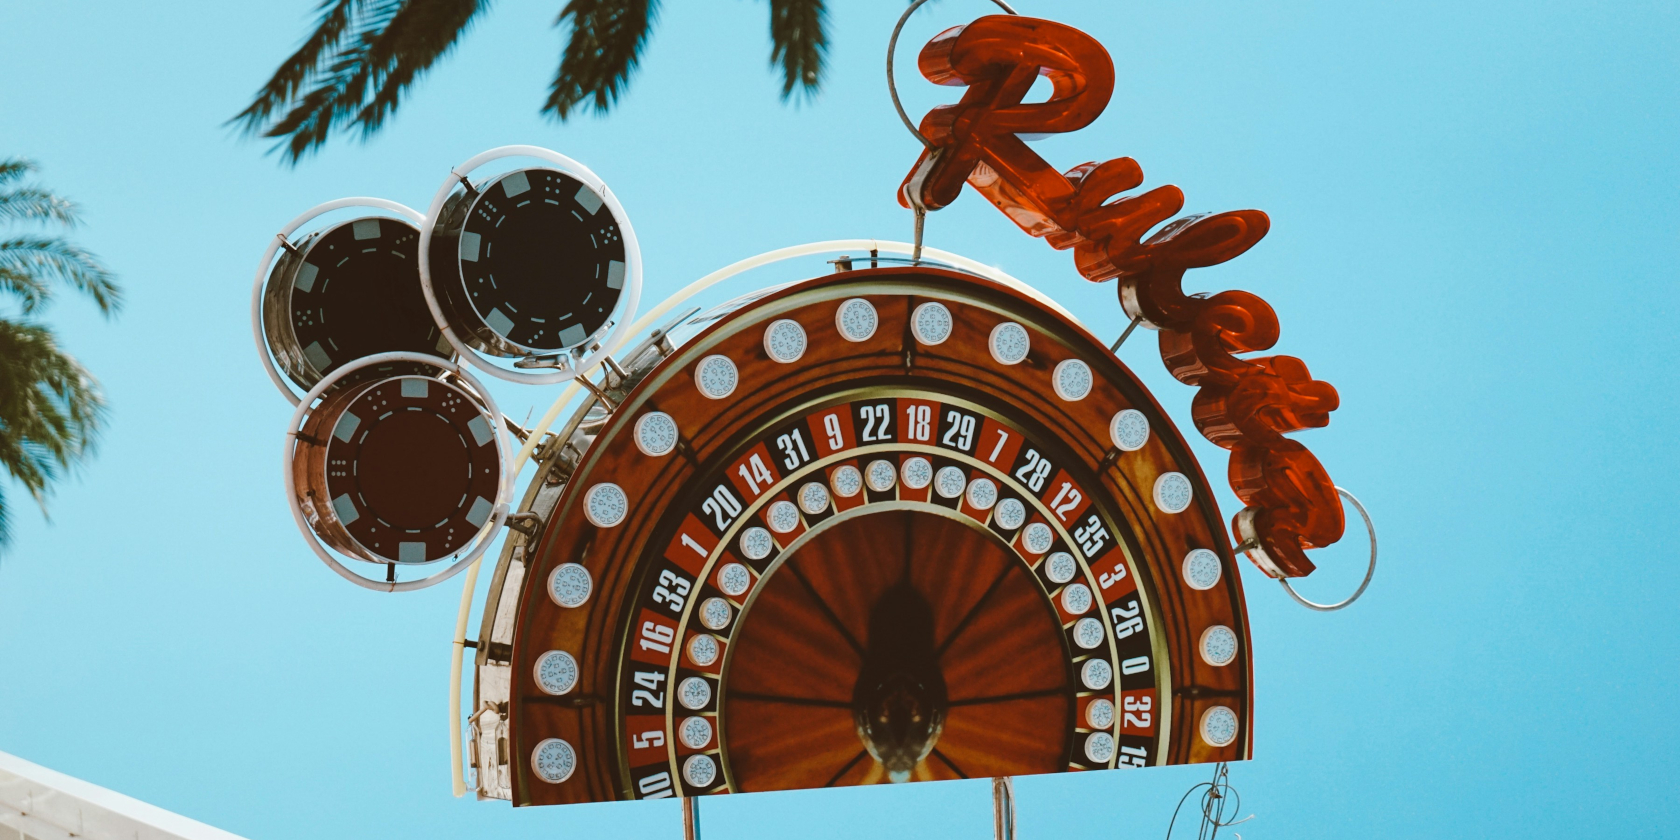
(1125, 335)
(1003, 808)
(691, 818)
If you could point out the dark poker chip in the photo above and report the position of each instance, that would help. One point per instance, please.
(400, 470)
(344, 293)
(527, 263)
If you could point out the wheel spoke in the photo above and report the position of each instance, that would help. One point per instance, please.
(972, 612)
(791, 701)
(844, 770)
(1009, 698)
(826, 609)
(949, 763)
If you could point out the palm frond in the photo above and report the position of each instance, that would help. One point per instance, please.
(12, 169)
(33, 204)
(30, 204)
(51, 409)
(799, 43)
(296, 71)
(362, 57)
(29, 260)
(32, 292)
(601, 53)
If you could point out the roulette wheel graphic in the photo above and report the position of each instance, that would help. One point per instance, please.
(890, 524)
(905, 520)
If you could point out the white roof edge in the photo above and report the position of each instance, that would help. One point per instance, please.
(28, 788)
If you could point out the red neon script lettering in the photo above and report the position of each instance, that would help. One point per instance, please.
(1245, 405)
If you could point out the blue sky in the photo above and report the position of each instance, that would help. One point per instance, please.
(1475, 226)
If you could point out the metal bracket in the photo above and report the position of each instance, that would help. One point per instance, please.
(527, 523)
(599, 393)
(556, 361)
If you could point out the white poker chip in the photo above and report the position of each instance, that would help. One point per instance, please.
(982, 493)
(1009, 343)
(756, 543)
(715, 613)
(605, 505)
(1076, 598)
(846, 480)
(554, 761)
(1172, 493)
(783, 517)
(699, 771)
(734, 578)
(695, 732)
(694, 693)
(856, 320)
(1218, 646)
(917, 473)
(1087, 633)
(716, 377)
(931, 323)
(949, 482)
(1096, 674)
(1100, 713)
(556, 672)
(813, 498)
(784, 341)
(1202, 569)
(881, 476)
(1129, 430)
(1038, 538)
(703, 649)
(1099, 747)
(570, 585)
(1072, 380)
(656, 434)
(1219, 726)
(1010, 514)
(1060, 567)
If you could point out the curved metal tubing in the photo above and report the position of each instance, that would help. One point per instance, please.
(1369, 571)
(632, 260)
(462, 616)
(892, 47)
(503, 488)
(267, 264)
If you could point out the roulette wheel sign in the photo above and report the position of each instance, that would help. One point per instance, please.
(887, 524)
(903, 520)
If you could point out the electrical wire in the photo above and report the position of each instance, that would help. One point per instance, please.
(1217, 798)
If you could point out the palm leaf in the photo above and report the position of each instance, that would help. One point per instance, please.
(605, 46)
(30, 262)
(799, 43)
(362, 57)
(51, 409)
(33, 204)
(12, 169)
(296, 71)
(32, 291)
(30, 204)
